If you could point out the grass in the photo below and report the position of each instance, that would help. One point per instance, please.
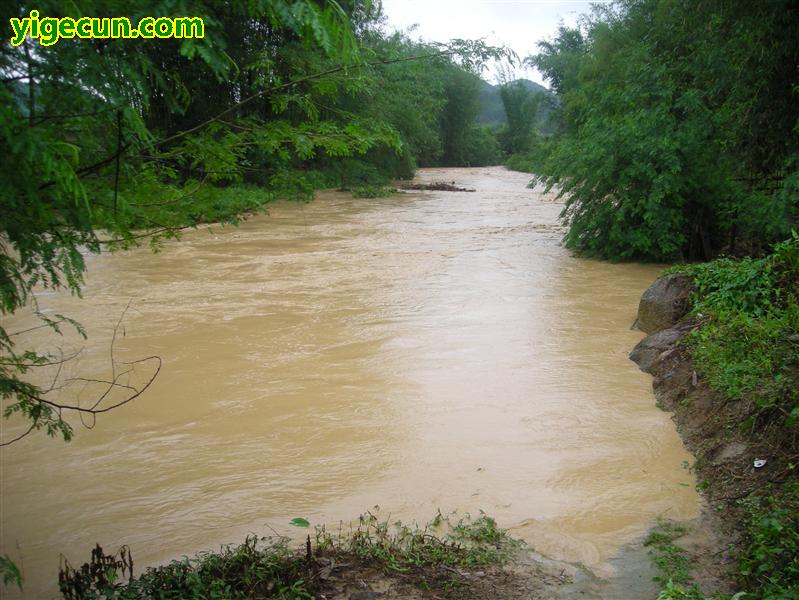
(435, 556)
(672, 562)
(468, 543)
(769, 560)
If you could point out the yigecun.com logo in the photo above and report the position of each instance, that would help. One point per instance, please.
(49, 30)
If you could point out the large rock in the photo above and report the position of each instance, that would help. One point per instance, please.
(664, 303)
(650, 349)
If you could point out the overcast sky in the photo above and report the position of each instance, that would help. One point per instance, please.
(518, 24)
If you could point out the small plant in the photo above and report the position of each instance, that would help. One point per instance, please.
(672, 562)
(10, 572)
(257, 568)
(400, 548)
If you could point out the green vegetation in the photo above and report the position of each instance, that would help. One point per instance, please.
(107, 144)
(768, 555)
(769, 559)
(372, 191)
(672, 562)
(679, 128)
(436, 556)
(747, 347)
(521, 108)
(396, 547)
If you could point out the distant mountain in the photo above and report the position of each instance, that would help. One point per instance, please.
(492, 112)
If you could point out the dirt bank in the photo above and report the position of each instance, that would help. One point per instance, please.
(709, 424)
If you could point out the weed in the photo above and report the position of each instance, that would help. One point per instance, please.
(747, 347)
(437, 556)
(672, 562)
(769, 557)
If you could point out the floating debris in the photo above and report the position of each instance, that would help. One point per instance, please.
(436, 186)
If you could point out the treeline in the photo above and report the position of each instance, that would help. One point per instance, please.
(679, 128)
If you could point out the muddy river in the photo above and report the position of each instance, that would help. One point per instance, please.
(430, 350)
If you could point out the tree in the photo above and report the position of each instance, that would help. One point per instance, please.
(679, 130)
(92, 130)
(521, 109)
(108, 143)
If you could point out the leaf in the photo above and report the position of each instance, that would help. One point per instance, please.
(300, 522)
(10, 572)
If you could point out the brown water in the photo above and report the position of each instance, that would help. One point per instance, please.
(428, 350)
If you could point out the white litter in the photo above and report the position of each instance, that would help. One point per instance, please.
(760, 462)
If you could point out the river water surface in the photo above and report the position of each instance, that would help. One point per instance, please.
(431, 350)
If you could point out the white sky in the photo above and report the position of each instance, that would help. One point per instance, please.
(518, 24)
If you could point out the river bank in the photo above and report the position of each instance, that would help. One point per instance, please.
(722, 354)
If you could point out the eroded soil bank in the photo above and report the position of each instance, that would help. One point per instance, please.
(727, 457)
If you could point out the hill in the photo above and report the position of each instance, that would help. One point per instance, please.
(492, 113)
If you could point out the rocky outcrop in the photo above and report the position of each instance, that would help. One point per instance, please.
(664, 303)
(660, 312)
(650, 349)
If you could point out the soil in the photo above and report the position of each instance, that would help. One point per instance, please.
(525, 575)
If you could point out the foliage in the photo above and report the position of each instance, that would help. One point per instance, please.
(746, 349)
(10, 572)
(268, 568)
(252, 568)
(372, 192)
(770, 557)
(468, 543)
(141, 140)
(521, 110)
(679, 131)
(531, 161)
(672, 562)
(462, 90)
(482, 147)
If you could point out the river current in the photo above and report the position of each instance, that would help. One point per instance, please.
(425, 351)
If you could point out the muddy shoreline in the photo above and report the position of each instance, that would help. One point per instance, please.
(708, 424)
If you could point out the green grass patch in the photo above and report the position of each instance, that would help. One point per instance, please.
(747, 348)
(672, 562)
(401, 548)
